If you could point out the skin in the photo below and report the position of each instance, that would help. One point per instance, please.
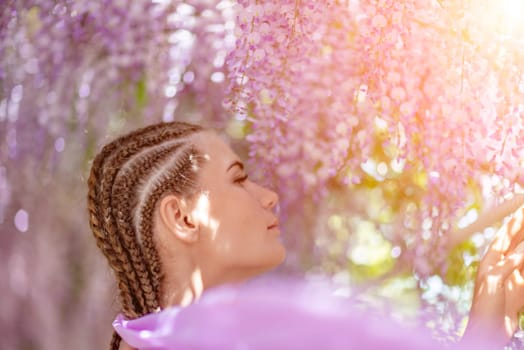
(499, 286)
(228, 233)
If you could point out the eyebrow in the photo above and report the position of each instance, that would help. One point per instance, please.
(235, 163)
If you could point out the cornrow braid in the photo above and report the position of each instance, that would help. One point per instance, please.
(124, 204)
(180, 175)
(118, 175)
(97, 225)
(113, 165)
(133, 294)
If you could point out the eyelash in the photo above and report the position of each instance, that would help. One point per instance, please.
(241, 179)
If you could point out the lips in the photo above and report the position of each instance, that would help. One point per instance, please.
(273, 225)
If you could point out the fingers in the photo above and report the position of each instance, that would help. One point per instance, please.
(507, 265)
(516, 228)
(514, 300)
(491, 281)
(506, 240)
(499, 289)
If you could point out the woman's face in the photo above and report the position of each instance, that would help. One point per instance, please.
(238, 230)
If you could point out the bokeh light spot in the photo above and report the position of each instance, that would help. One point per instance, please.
(217, 77)
(170, 91)
(60, 144)
(189, 77)
(395, 252)
(22, 220)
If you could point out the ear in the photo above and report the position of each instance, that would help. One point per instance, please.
(175, 216)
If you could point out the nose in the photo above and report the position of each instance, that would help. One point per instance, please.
(268, 199)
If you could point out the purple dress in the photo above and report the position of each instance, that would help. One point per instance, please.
(277, 316)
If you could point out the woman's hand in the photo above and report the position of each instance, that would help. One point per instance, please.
(499, 286)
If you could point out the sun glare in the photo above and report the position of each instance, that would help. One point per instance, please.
(203, 214)
(513, 8)
(502, 17)
(511, 14)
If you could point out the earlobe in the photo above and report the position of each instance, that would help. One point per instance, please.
(176, 219)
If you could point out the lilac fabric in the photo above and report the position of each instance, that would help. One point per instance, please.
(282, 316)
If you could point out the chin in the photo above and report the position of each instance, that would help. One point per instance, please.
(277, 257)
(280, 256)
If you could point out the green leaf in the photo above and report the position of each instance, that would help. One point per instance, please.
(141, 93)
(458, 272)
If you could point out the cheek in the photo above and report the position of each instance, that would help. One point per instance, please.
(241, 209)
(241, 224)
(242, 233)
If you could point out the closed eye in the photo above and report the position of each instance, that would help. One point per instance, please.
(241, 179)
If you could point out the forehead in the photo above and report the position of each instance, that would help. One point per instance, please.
(215, 149)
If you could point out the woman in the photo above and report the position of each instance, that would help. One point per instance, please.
(170, 205)
(174, 212)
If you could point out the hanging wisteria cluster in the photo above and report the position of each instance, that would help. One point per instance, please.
(70, 71)
(423, 94)
(72, 74)
(321, 81)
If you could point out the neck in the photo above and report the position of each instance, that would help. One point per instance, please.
(183, 290)
(183, 282)
(188, 284)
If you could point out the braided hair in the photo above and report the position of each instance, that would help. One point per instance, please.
(128, 178)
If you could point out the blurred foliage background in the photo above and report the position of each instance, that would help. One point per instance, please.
(74, 74)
